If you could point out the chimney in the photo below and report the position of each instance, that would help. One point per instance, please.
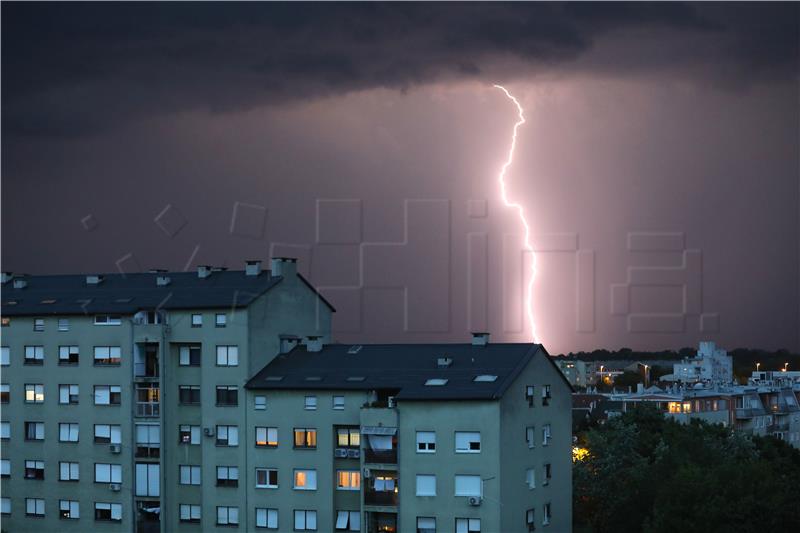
(20, 283)
(288, 343)
(284, 266)
(639, 388)
(162, 280)
(480, 339)
(313, 343)
(94, 279)
(252, 268)
(6, 277)
(203, 271)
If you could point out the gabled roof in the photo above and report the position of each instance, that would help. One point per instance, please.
(128, 293)
(401, 367)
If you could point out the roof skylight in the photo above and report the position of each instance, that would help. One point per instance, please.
(356, 378)
(436, 382)
(485, 378)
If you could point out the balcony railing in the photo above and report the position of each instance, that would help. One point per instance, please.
(748, 412)
(380, 456)
(382, 498)
(148, 409)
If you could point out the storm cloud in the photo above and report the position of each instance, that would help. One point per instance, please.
(72, 69)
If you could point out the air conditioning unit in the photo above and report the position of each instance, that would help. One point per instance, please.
(367, 473)
(114, 487)
(340, 452)
(354, 454)
(208, 432)
(475, 501)
(115, 448)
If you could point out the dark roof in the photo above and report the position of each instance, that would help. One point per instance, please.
(128, 293)
(401, 367)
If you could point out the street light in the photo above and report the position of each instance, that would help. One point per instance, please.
(645, 375)
(757, 365)
(785, 367)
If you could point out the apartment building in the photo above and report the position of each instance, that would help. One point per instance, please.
(213, 400)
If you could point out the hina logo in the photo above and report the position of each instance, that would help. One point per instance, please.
(520, 210)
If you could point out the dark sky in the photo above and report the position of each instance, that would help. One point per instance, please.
(659, 167)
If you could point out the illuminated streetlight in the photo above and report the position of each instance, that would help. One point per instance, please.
(757, 365)
(785, 367)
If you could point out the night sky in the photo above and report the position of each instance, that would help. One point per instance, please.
(659, 166)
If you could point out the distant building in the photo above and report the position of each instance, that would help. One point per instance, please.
(711, 365)
(574, 370)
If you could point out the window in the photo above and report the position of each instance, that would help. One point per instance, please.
(267, 437)
(546, 514)
(6, 321)
(227, 356)
(227, 435)
(468, 485)
(305, 520)
(107, 320)
(529, 393)
(189, 394)
(546, 395)
(147, 479)
(266, 478)
(107, 434)
(468, 442)
(348, 479)
(5, 505)
(107, 473)
(220, 320)
(68, 471)
(426, 524)
(34, 393)
(547, 474)
(5, 430)
(227, 396)
(188, 434)
(34, 507)
(67, 432)
(348, 437)
(68, 355)
(426, 485)
(63, 324)
(228, 516)
(189, 475)
(68, 394)
(197, 320)
(69, 509)
(530, 478)
(530, 436)
(485, 378)
(436, 382)
(189, 513)
(38, 324)
(227, 476)
(148, 441)
(34, 469)
(310, 403)
(546, 434)
(267, 518)
(189, 355)
(260, 403)
(5, 393)
(530, 519)
(107, 395)
(338, 403)
(426, 442)
(34, 430)
(34, 355)
(305, 480)
(305, 438)
(468, 525)
(5, 468)
(104, 511)
(348, 521)
(107, 355)
(5, 356)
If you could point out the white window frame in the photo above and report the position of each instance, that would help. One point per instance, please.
(107, 320)
(428, 440)
(465, 441)
(311, 479)
(267, 472)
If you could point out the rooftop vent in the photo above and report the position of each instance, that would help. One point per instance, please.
(313, 343)
(6, 277)
(480, 338)
(252, 268)
(288, 343)
(94, 279)
(203, 271)
(20, 283)
(162, 281)
(444, 362)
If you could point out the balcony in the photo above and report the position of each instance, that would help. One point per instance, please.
(746, 412)
(383, 457)
(148, 401)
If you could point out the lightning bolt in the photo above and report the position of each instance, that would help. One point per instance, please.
(520, 210)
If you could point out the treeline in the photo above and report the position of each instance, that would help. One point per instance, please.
(645, 472)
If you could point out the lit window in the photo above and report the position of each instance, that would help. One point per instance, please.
(426, 485)
(34, 393)
(267, 518)
(69, 509)
(348, 437)
(305, 480)
(266, 478)
(468, 442)
(188, 434)
(266, 437)
(348, 480)
(426, 442)
(305, 438)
